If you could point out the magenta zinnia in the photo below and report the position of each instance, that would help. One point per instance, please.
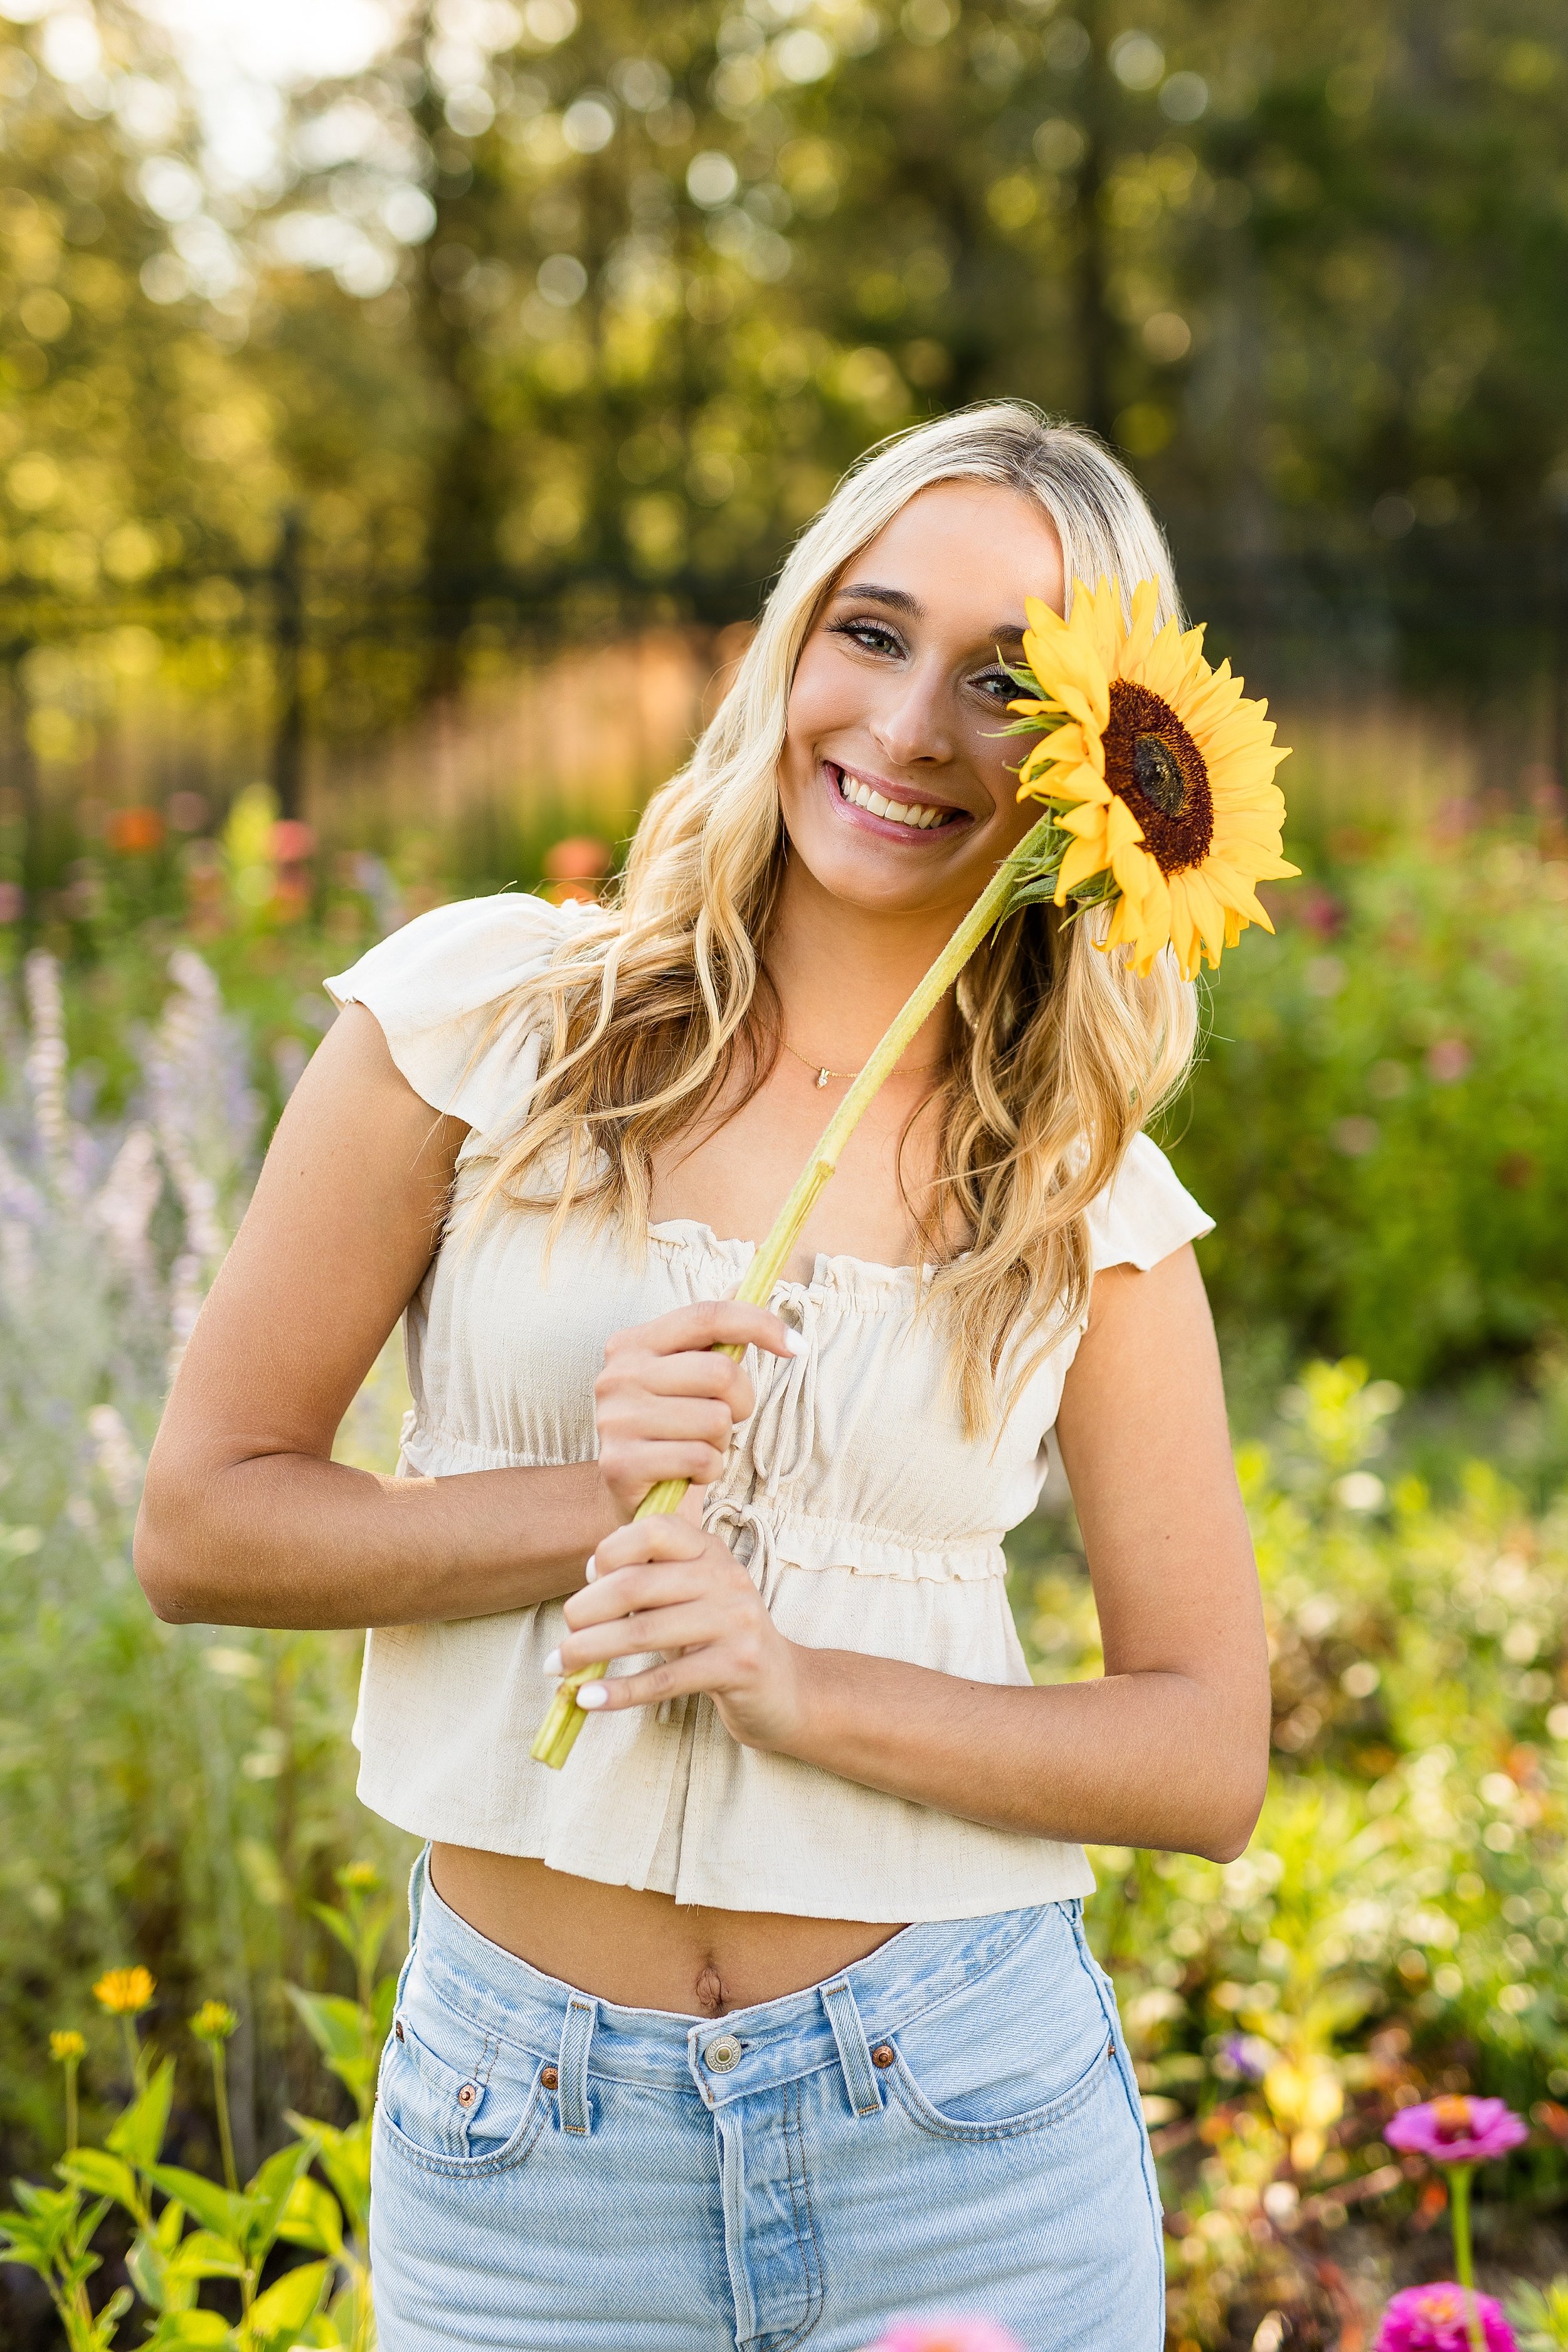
(1454, 2130)
(1437, 2319)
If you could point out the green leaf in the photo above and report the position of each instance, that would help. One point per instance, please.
(102, 2176)
(336, 1923)
(110, 2317)
(139, 2134)
(383, 2000)
(291, 2305)
(344, 2157)
(311, 2218)
(169, 2224)
(203, 2254)
(215, 2208)
(268, 2194)
(336, 2026)
(179, 2329)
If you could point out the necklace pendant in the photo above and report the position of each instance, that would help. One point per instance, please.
(823, 1076)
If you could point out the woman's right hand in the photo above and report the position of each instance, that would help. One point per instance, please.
(667, 1405)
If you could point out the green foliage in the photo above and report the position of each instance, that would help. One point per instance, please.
(1539, 2317)
(1380, 1127)
(322, 2302)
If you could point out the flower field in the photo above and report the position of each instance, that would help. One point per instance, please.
(1381, 1127)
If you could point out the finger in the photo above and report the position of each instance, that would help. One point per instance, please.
(652, 1587)
(693, 1625)
(641, 1542)
(664, 1420)
(636, 1466)
(700, 1374)
(712, 1323)
(673, 1679)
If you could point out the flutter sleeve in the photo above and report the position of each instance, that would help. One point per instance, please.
(1145, 1213)
(437, 987)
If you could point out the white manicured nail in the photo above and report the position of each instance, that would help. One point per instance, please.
(593, 1695)
(552, 1662)
(794, 1342)
(592, 1570)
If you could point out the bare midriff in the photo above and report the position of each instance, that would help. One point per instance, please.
(640, 1950)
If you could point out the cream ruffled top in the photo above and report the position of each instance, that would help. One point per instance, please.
(869, 1521)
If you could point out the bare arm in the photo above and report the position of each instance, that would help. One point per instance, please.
(1168, 1749)
(246, 1518)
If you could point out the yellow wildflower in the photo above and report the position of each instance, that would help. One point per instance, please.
(125, 1992)
(214, 2021)
(67, 2047)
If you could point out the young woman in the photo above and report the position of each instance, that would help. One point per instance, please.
(771, 2016)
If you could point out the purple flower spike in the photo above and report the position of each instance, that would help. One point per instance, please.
(951, 2336)
(1437, 2319)
(1457, 2130)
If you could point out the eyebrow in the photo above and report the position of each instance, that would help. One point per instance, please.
(898, 600)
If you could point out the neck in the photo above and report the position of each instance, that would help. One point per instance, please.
(842, 972)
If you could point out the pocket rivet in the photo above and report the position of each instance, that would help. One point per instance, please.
(551, 2078)
(466, 2096)
(397, 2028)
(883, 2054)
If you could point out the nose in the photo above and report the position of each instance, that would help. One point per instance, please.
(913, 724)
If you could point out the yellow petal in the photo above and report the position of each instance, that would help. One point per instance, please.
(1121, 826)
(1084, 858)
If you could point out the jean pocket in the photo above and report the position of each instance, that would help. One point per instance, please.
(453, 2117)
(1019, 2048)
(975, 2123)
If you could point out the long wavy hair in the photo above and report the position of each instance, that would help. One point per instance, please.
(658, 1009)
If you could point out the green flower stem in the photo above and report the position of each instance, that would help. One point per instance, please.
(1039, 852)
(132, 2051)
(71, 2065)
(1463, 2256)
(218, 2053)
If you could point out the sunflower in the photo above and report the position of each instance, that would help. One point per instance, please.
(1160, 770)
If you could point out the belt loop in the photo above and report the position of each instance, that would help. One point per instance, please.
(582, 2016)
(854, 2050)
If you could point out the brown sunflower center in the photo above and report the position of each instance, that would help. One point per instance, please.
(1153, 764)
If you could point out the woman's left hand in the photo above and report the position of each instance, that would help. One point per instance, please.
(662, 1584)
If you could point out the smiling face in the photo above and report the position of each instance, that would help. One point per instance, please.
(895, 781)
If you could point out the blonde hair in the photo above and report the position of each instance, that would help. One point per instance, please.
(1060, 1053)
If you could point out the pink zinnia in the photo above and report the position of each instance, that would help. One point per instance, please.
(949, 2336)
(1437, 2319)
(1457, 2130)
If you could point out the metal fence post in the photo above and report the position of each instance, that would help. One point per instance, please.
(288, 642)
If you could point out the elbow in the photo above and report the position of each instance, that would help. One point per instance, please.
(161, 1555)
(1236, 1817)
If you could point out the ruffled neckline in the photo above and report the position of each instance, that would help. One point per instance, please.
(829, 1273)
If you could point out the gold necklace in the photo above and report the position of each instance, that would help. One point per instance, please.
(822, 1073)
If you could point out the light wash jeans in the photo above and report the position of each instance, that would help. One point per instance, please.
(949, 2127)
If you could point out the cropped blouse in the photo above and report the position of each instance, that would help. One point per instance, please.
(869, 1521)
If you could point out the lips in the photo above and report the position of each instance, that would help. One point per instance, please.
(894, 807)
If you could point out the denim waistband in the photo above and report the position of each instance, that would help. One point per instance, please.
(835, 2023)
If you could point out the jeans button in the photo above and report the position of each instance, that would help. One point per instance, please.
(722, 2054)
(466, 2096)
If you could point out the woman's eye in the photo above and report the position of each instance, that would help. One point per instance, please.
(997, 684)
(874, 636)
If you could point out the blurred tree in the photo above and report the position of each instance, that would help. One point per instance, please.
(579, 295)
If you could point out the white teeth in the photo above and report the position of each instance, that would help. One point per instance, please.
(910, 812)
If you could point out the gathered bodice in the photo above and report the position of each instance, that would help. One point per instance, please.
(867, 1516)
